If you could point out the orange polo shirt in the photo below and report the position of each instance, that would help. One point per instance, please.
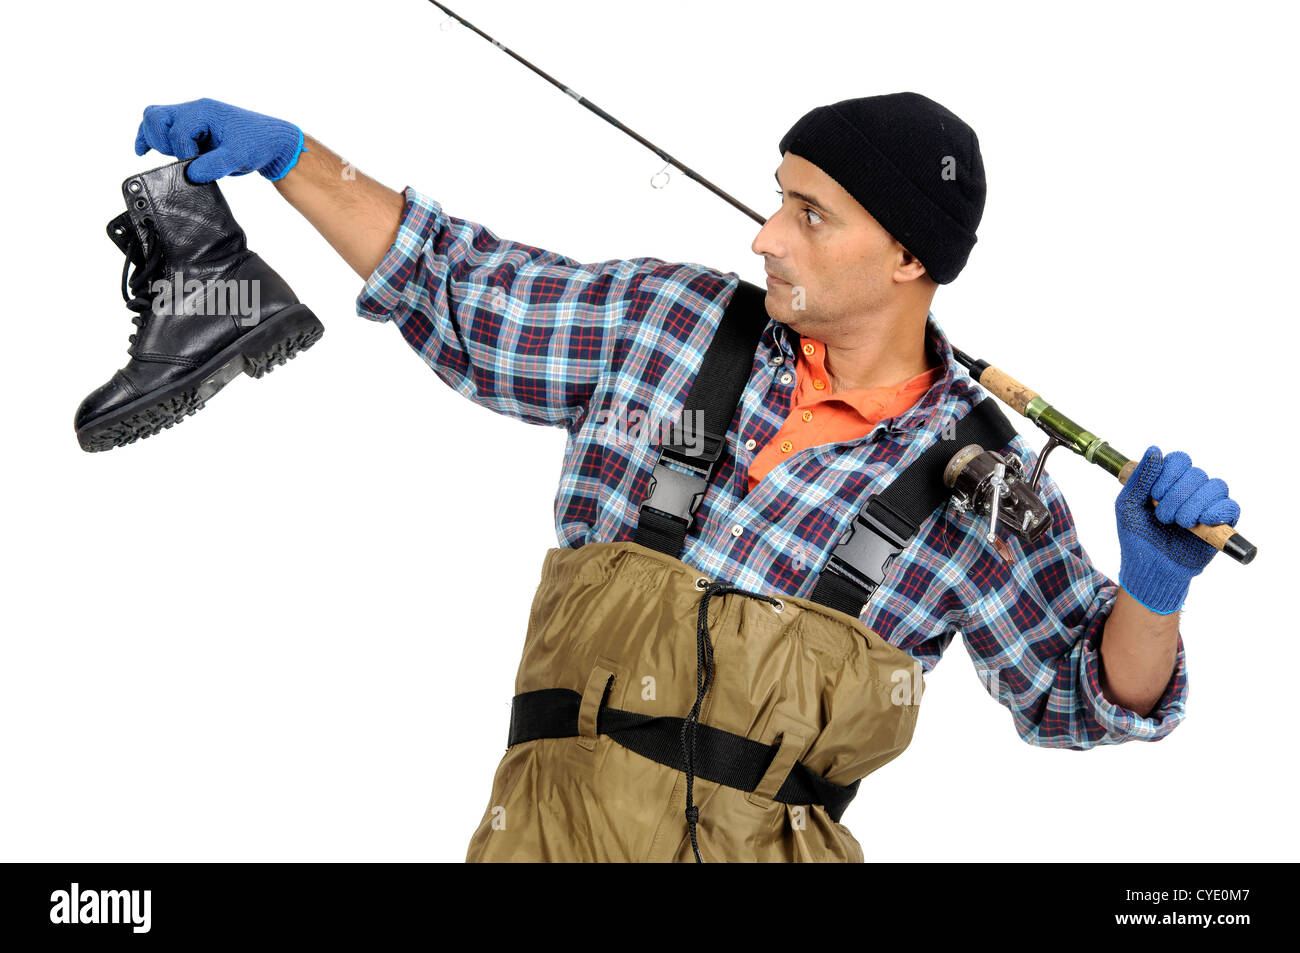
(817, 416)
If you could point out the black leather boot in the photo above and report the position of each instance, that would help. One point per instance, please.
(207, 309)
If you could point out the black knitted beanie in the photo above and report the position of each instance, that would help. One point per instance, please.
(911, 163)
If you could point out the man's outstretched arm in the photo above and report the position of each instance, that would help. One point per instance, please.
(357, 215)
(523, 331)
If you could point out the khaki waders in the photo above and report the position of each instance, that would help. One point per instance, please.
(662, 716)
(613, 662)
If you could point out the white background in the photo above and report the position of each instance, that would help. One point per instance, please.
(289, 628)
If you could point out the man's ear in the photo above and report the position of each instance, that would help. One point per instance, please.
(910, 268)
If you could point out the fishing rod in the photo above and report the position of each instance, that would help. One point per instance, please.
(1063, 432)
(1060, 429)
(689, 172)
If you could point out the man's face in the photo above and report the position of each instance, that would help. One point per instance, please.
(830, 264)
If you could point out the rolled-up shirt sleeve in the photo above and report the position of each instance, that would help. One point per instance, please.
(1034, 627)
(525, 332)
(1123, 724)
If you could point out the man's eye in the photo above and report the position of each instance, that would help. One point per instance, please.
(807, 211)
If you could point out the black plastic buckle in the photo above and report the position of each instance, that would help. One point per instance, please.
(865, 556)
(678, 495)
(704, 459)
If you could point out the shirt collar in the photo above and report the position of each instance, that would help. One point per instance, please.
(780, 337)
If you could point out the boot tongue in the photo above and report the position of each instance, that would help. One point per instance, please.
(120, 230)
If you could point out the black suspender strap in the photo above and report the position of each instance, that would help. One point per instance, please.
(891, 518)
(669, 509)
(882, 529)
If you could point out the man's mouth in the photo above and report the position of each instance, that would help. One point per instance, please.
(774, 280)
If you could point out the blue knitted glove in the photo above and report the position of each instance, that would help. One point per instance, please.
(1158, 558)
(227, 140)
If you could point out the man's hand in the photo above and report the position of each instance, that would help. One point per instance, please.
(227, 140)
(358, 216)
(1158, 557)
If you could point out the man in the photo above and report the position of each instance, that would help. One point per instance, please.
(852, 380)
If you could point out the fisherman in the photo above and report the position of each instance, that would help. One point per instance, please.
(682, 693)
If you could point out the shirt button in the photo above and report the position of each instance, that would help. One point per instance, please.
(809, 349)
(750, 444)
(807, 415)
(786, 378)
(819, 384)
(786, 446)
(737, 530)
(778, 359)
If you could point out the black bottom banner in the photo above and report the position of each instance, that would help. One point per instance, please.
(97, 904)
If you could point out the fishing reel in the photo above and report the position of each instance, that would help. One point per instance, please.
(994, 485)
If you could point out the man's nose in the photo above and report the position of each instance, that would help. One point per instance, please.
(768, 240)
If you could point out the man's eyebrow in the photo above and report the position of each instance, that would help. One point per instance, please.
(801, 196)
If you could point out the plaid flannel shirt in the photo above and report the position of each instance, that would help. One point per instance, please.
(542, 338)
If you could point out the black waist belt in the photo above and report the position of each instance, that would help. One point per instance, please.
(721, 756)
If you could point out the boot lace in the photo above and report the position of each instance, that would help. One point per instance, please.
(148, 265)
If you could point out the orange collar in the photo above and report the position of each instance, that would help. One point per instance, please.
(871, 403)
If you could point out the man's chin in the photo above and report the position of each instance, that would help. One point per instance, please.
(778, 308)
(778, 301)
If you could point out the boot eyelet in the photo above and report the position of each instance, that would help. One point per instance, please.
(117, 231)
(701, 583)
(140, 203)
(134, 186)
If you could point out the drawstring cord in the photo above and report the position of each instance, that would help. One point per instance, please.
(703, 679)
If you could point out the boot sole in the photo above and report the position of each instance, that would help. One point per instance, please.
(257, 353)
